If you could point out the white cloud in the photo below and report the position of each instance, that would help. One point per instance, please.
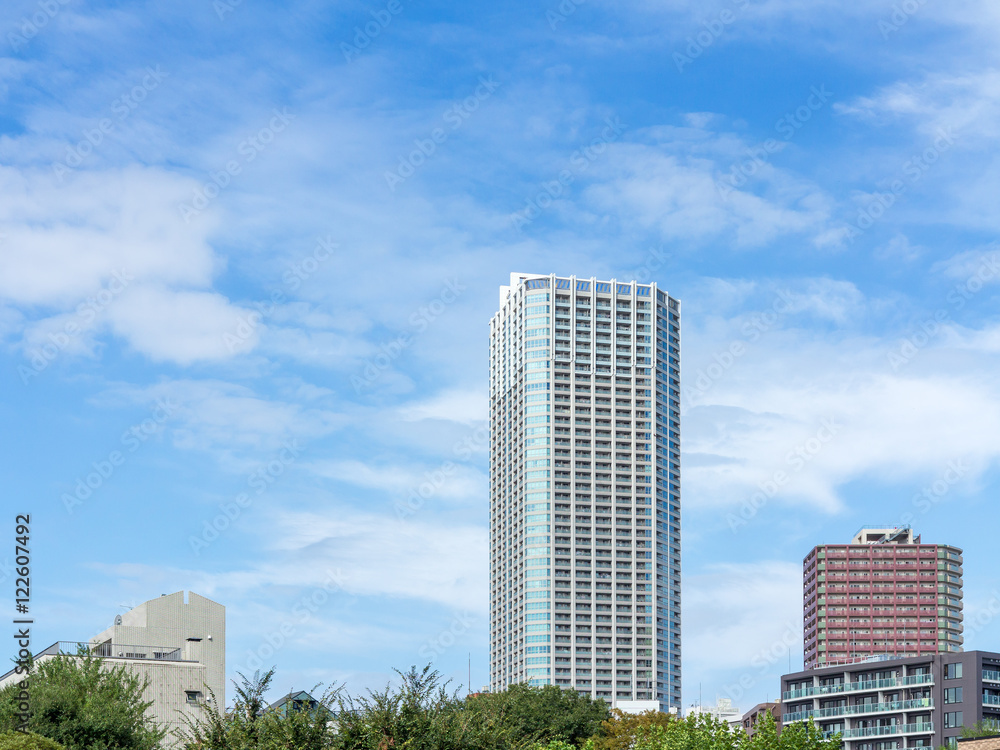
(11, 320)
(108, 251)
(64, 242)
(372, 555)
(966, 106)
(884, 426)
(412, 558)
(325, 348)
(753, 416)
(982, 264)
(899, 249)
(733, 613)
(945, 129)
(683, 188)
(447, 480)
(986, 339)
(180, 326)
(885, 23)
(465, 407)
(423, 562)
(233, 422)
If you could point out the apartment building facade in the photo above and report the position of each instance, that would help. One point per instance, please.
(884, 593)
(585, 489)
(886, 703)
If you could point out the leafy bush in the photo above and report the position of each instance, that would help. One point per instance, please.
(248, 725)
(27, 741)
(703, 732)
(419, 714)
(79, 703)
(422, 715)
(985, 728)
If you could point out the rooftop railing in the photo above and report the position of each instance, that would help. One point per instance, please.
(113, 651)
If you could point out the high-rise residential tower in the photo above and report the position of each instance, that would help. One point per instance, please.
(884, 594)
(585, 556)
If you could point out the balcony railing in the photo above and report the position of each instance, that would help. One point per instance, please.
(870, 708)
(849, 687)
(925, 728)
(797, 716)
(991, 675)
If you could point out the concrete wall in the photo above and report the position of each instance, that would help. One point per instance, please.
(169, 683)
(197, 626)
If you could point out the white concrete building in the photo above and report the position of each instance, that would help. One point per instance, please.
(178, 643)
(723, 709)
(192, 623)
(585, 489)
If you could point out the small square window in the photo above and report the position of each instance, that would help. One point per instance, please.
(192, 696)
(953, 671)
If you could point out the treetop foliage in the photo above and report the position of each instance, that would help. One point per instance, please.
(76, 702)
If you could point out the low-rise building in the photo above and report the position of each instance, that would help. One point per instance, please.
(176, 643)
(293, 702)
(979, 743)
(751, 717)
(641, 707)
(723, 710)
(883, 703)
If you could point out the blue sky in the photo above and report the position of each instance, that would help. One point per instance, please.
(249, 251)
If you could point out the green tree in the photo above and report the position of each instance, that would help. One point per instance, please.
(299, 730)
(406, 717)
(250, 725)
(797, 736)
(985, 728)
(703, 732)
(621, 730)
(27, 741)
(421, 714)
(83, 704)
(551, 713)
(480, 722)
